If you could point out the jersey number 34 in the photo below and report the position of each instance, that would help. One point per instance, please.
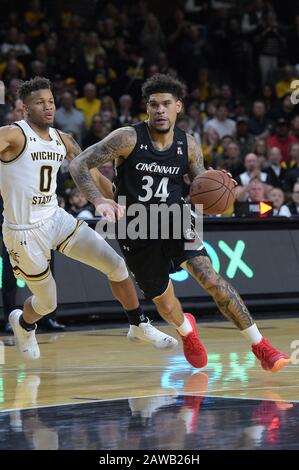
(161, 192)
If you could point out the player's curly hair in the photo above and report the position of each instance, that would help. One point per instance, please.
(34, 84)
(163, 83)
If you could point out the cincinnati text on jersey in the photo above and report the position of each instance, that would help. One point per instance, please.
(53, 156)
(155, 168)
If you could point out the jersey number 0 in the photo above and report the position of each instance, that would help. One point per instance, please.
(45, 178)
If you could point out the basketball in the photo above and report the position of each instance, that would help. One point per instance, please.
(215, 190)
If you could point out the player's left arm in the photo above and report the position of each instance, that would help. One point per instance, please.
(195, 158)
(73, 150)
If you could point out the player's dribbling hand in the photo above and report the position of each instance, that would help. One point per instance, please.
(110, 210)
(227, 172)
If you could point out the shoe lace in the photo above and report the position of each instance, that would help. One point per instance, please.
(192, 342)
(266, 352)
(150, 330)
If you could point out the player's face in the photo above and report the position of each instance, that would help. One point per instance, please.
(162, 109)
(40, 107)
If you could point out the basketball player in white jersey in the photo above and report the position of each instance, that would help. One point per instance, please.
(31, 152)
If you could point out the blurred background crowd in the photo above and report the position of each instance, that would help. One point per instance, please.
(237, 58)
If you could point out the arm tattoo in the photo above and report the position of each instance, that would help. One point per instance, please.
(225, 296)
(119, 143)
(195, 158)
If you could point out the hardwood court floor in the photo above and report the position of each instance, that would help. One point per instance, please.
(100, 373)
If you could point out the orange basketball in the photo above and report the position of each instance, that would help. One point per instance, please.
(215, 190)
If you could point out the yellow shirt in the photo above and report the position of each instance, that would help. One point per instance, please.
(88, 108)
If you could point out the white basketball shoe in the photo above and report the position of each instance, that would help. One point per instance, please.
(25, 340)
(148, 333)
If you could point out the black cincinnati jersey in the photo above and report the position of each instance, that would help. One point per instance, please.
(149, 176)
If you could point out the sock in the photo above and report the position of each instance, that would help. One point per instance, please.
(252, 334)
(25, 325)
(185, 327)
(136, 316)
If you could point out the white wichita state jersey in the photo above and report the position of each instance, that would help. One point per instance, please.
(28, 183)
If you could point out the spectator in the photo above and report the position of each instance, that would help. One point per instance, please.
(108, 104)
(79, 206)
(254, 191)
(285, 109)
(259, 124)
(294, 150)
(276, 174)
(202, 90)
(135, 72)
(18, 110)
(252, 170)
(243, 138)
(13, 43)
(260, 149)
(97, 131)
(92, 49)
(89, 104)
(211, 148)
(152, 38)
(282, 139)
(295, 127)
(221, 123)
(37, 69)
(268, 96)
(12, 68)
(163, 64)
(294, 204)
(109, 33)
(231, 160)
(253, 19)
(69, 119)
(276, 196)
(292, 175)
(270, 43)
(104, 76)
(125, 110)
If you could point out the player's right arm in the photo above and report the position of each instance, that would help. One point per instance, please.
(12, 142)
(117, 145)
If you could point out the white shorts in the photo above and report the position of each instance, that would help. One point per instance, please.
(30, 250)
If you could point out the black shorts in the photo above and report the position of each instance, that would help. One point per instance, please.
(151, 262)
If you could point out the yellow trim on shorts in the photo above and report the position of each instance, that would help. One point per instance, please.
(63, 244)
(32, 277)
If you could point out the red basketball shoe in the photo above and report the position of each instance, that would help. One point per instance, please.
(271, 359)
(194, 350)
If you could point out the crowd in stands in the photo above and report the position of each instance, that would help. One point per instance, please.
(239, 61)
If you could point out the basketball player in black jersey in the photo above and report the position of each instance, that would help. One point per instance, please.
(151, 159)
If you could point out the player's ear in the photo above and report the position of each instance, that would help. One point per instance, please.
(179, 106)
(25, 108)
